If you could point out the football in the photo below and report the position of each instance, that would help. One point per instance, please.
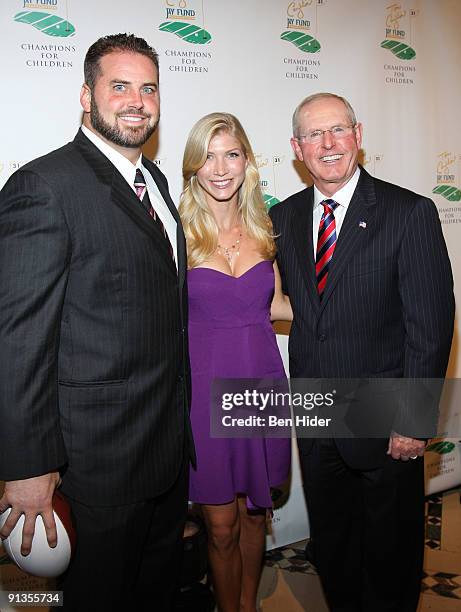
(42, 560)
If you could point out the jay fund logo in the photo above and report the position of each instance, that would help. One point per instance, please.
(396, 35)
(446, 177)
(46, 22)
(180, 22)
(300, 16)
(268, 167)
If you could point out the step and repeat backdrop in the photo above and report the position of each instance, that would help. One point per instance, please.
(397, 62)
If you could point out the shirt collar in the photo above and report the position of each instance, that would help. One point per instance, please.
(123, 165)
(343, 196)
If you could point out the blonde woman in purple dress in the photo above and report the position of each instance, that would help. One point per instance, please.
(234, 292)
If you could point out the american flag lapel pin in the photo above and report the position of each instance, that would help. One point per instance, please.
(363, 224)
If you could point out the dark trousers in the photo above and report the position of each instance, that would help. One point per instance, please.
(368, 530)
(127, 557)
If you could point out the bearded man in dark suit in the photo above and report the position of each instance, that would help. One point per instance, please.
(95, 371)
(366, 268)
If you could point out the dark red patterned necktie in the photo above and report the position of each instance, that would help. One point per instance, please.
(141, 192)
(325, 244)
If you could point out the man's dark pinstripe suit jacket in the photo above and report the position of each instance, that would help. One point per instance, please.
(388, 306)
(94, 371)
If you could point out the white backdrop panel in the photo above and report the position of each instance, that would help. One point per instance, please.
(409, 106)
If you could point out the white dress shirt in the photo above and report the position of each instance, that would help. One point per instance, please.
(128, 170)
(342, 197)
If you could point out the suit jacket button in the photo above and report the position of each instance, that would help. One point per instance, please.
(321, 337)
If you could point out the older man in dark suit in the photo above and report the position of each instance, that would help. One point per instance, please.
(366, 268)
(95, 372)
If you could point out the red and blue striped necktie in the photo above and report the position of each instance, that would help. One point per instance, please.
(325, 244)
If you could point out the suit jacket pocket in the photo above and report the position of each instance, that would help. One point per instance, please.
(361, 266)
(90, 383)
(362, 270)
(93, 420)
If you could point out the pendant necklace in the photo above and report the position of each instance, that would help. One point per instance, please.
(230, 251)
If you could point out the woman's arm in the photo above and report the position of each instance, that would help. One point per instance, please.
(280, 307)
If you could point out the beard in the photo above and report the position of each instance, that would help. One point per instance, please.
(130, 137)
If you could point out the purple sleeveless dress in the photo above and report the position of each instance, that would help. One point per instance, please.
(230, 336)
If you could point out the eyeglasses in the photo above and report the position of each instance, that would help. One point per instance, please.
(337, 132)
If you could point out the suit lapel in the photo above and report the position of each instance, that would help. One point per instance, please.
(122, 195)
(182, 255)
(302, 232)
(181, 252)
(356, 226)
(160, 181)
(180, 239)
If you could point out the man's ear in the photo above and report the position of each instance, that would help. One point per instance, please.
(296, 149)
(358, 135)
(85, 98)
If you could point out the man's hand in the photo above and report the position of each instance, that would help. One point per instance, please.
(30, 497)
(404, 448)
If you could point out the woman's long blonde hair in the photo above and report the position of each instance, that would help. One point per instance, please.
(199, 224)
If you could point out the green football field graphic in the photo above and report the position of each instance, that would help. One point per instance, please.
(304, 42)
(399, 49)
(442, 447)
(49, 24)
(450, 193)
(270, 200)
(187, 31)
